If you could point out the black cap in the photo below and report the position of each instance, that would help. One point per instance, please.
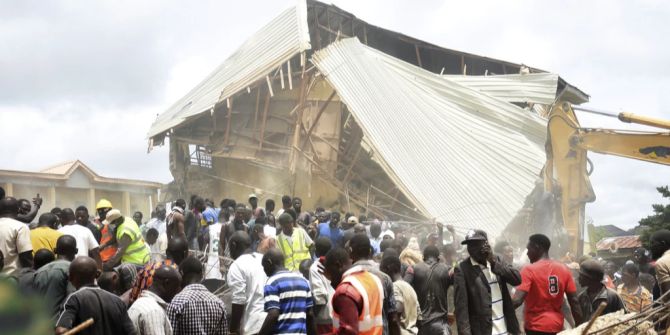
(593, 269)
(475, 235)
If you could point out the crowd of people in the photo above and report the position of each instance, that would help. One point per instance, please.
(238, 268)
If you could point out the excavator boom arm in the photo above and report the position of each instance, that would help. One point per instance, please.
(567, 146)
(649, 147)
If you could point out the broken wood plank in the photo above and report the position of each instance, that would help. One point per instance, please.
(258, 102)
(345, 181)
(318, 116)
(264, 120)
(228, 122)
(418, 55)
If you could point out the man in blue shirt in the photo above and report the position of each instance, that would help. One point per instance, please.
(287, 294)
(329, 226)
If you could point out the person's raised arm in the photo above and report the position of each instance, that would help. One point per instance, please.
(508, 273)
(28, 217)
(440, 234)
(454, 237)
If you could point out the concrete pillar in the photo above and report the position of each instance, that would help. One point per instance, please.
(9, 189)
(126, 203)
(52, 196)
(91, 200)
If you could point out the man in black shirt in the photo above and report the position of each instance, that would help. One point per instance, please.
(90, 301)
(430, 280)
(591, 274)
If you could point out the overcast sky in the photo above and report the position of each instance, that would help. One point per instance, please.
(85, 79)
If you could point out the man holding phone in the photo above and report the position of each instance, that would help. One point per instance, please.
(27, 212)
(483, 304)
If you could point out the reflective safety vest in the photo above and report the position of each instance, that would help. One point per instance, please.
(137, 252)
(370, 321)
(295, 252)
(107, 235)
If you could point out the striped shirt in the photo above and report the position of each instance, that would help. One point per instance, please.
(148, 315)
(499, 327)
(290, 294)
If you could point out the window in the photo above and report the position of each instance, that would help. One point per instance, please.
(200, 156)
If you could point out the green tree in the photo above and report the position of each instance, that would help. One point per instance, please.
(659, 220)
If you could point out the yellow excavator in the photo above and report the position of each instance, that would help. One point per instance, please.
(566, 172)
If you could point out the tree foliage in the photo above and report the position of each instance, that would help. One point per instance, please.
(660, 219)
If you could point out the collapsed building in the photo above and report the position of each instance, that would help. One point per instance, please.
(322, 105)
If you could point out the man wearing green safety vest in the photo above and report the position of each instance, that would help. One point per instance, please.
(293, 242)
(130, 244)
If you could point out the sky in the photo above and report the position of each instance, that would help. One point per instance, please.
(85, 79)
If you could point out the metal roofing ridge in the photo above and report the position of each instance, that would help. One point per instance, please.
(180, 110)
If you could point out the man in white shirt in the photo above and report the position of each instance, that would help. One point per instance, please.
(286, 203)
(246, 279)
(15, 242)
(148, 312)
(157, 245)
(322, 291)
(86, 243)
(213, 270)
(158, 222)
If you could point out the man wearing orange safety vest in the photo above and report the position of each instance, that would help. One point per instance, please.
(107, 239)
(359, 296)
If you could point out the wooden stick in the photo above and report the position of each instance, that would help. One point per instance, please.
(646, 311)
(264, 119)
(80, 327)
(595, 315)
(418, 55)
(638, 323)
(228, 122)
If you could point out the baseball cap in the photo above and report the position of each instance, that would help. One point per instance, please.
(352, 219)
(112, 215)
(252, 195)
(475, 235)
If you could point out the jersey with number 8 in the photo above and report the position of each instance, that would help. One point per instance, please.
(546, 281)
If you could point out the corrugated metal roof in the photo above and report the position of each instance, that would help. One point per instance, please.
(461, 156)
(619, 242)
(534, 87)
(276, 43)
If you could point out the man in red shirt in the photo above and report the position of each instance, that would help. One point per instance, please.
(350, 307)
(543, 285)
